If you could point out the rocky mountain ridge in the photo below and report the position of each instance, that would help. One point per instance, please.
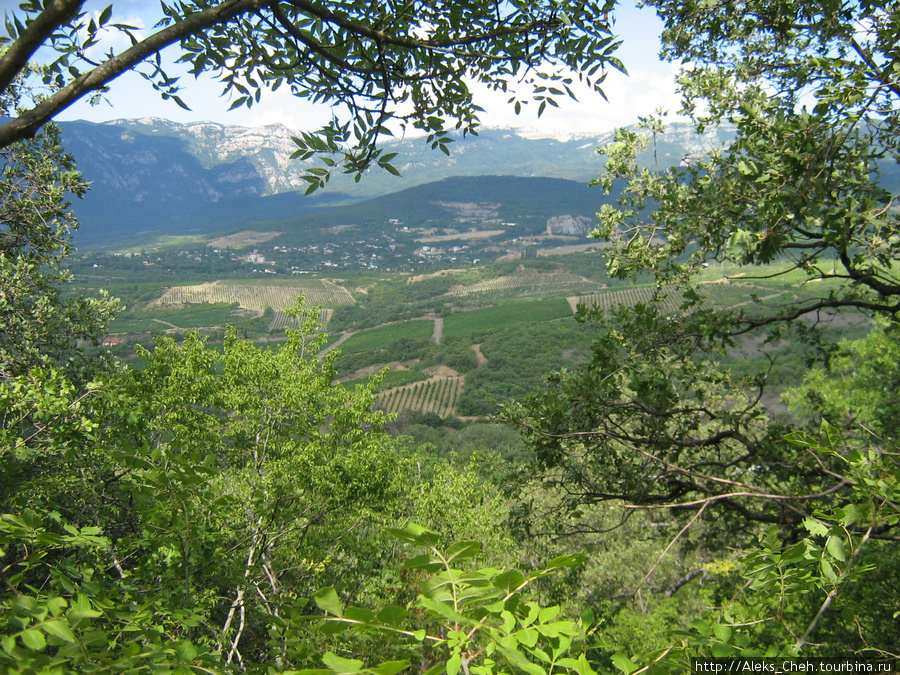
(153, 175)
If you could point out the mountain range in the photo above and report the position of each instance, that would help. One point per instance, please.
(152, 177)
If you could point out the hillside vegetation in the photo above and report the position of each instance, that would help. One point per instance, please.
(454, 343)
(486, 425)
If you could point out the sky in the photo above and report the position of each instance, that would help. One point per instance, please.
(649, 85)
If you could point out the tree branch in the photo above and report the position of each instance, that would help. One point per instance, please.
(35, 34)
(27, 124)
(380, 37)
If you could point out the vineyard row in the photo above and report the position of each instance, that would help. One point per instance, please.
(718, 296)
(438, 395)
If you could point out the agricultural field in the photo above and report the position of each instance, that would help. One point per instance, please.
(719, 295)
(437, 395)
(259, 295)
(186, 318)
(379, 339)
(466, 324)
(554, 283)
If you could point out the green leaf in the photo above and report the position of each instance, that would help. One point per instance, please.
(849, 514)
(454, 663)
(332, 626)
(814, 527)
(445, 610)
(828, 571)
(328, 601)
(509, 621)
(573, 560)
(509, 581)
(34, 639)
(463, 550)
(721, 650)
(424, 562)
(390, 667)
(341, 665)
(835, 546)
(587, 617)
(391, 615)
(623, 663)
(25, 604)
(359, 614)
(415, 534)
(581, 666)
(186, 651)
(518, 660)
(59, 629)
(528, 637)
(722, 632)
(548, 614)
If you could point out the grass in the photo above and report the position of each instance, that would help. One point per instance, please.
(198, 316)
(464, 324)
(384, 336)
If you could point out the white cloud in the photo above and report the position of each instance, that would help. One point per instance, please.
(639, 93)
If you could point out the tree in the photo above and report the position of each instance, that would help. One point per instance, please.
(811, 177)
(187, 504)
(470, 621)
(803, 187)
(37, 326)
(373, 63)
(805, 192)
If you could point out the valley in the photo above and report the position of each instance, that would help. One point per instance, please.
(393, 393)
(453, 344)
(460, 294)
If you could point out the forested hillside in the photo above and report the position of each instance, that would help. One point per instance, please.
(466, 444)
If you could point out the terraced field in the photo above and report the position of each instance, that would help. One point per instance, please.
(556, 283)
(257, 296)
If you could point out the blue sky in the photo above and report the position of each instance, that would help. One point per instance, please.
(649, 85)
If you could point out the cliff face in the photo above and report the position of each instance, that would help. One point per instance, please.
(575, 226)
(138, 168)
(268, 149)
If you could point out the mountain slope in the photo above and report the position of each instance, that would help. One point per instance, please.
(152, 177)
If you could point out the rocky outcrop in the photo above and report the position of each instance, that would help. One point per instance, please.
(268, 149)
(574, 226)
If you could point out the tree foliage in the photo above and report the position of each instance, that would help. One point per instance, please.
(472, 621)
(807, 191)
(653, 419)
(37, 326)
(373, 63)
(811, 92)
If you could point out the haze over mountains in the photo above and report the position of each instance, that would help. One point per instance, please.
(152, 176)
